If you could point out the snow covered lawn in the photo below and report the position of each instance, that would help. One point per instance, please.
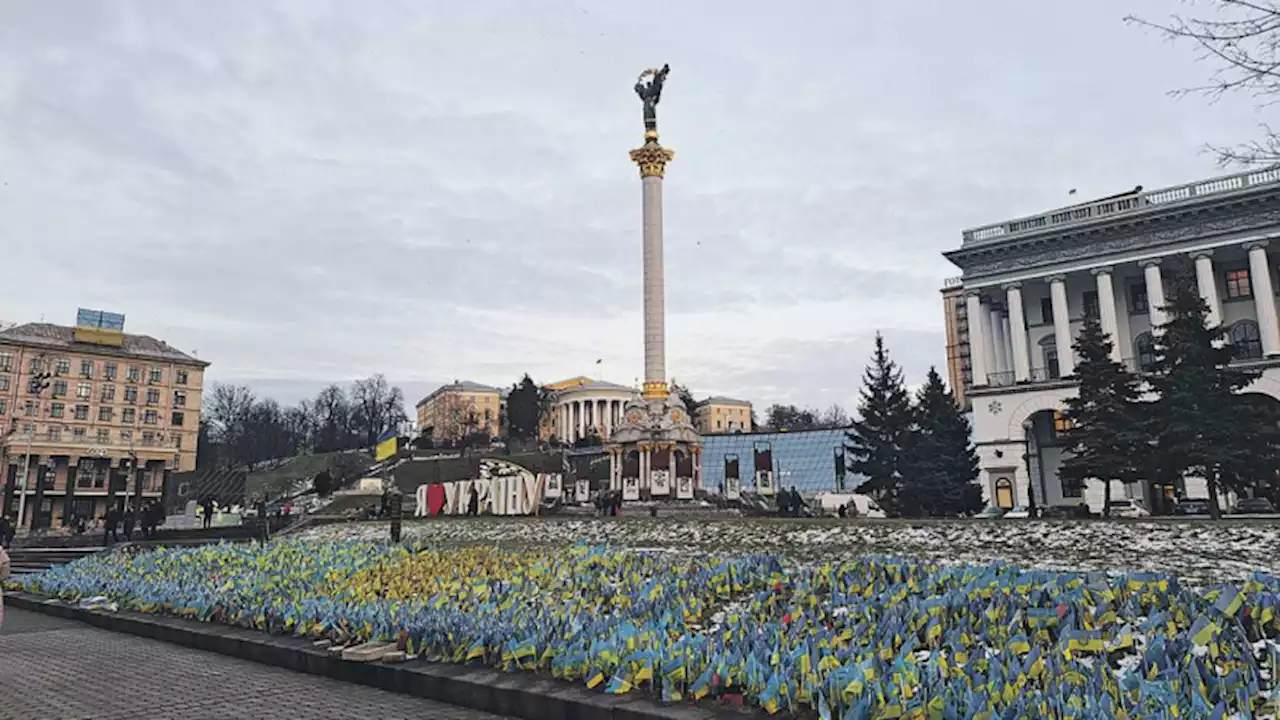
(1200, 552)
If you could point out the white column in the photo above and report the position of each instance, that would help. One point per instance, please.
(1018, 324)
(580, 426)
(655, 370)
(1264, 297)
(1208, 285)
(1107, 309)
(1155, 291)
(989, 347)
(977, 344)
(1000, 340)
(1062, 325)
(1007, 330)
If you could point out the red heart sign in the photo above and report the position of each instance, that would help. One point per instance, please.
(435, 499)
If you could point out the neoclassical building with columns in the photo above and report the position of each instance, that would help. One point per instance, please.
(583, 406)
(1029, 283)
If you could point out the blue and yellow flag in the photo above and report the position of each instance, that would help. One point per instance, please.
(386, 446)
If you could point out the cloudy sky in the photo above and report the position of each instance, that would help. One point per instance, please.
(305, 192)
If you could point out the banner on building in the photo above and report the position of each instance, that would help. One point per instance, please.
(684, 488)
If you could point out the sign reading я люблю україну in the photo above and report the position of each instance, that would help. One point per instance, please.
(502, 489)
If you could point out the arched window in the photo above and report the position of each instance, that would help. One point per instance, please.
(1247, 342)
(1004, 493)
(1145, 350)
(1049, 352)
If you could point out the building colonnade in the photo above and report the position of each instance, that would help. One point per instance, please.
(998, 338)
(577, 417)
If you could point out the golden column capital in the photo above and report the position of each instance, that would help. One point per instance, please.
(656, 389)
(652, 158)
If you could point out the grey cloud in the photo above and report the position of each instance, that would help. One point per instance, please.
(309, 190)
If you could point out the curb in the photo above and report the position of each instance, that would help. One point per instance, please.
(520, 695)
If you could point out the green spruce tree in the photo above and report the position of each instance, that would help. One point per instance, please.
(1106, 438)
(878, 438)
(941, 464)
(1202, 424)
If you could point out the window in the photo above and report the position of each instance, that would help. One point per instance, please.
(86, 368)
(56, 410)
(84, 390)
(1004, 493)
(3, 407)
(180, 377)
(62, 367)
(1238, 284)
(177, 418)
(150, 417)
(59, 387)
(4, 382)
(104, 436)
(1138, 298)
(6, 361)
(126, 415)
(1145, 350)
(35, 365)
(153, 396)
(148, 438)
(1046, 310)
(179, 398)
(108, 393)
(1091, 304)
(126, 437)
(109, 370)
(78, 434)
(130, 394)
(105, 414)
(29, 429)
(135, 373)
(1245, 339)
(155, 375)
(54, 433)
(1049, 352)
(82, 412)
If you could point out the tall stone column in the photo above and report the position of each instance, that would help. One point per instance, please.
(652, 160)
(1207, 284)
(1062, 325)
(581, 409)
(1264, 297)
(1018, 324)
(1155, 291)
(999, 340)
(1107, 309)
(977, 343)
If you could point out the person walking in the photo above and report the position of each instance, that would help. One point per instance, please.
(4, 575)
(110, 531)
(6, 529)
(130, 518)
(207, 506)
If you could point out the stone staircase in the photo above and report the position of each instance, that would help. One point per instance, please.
(23, 560)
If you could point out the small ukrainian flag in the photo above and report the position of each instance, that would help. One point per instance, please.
(386, 446)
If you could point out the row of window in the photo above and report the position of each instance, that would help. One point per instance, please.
(1237, 285)
(105, 413)
(107, 393)
(110, 369)
(1244, 337)
(57, 433)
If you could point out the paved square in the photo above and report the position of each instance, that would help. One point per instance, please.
(59, 669)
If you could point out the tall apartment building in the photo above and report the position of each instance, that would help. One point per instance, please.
(956, 320)
(452, 412)
(91, 417)
(1029, 283)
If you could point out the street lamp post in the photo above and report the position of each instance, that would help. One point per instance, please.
(38, 383)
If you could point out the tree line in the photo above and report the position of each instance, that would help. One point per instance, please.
(241, 430)
(915, 451)
(1185, 414)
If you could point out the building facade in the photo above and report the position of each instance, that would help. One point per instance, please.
(1028, 284)
(462, 408)
(92, 417)
(582, 407)
(722, 415)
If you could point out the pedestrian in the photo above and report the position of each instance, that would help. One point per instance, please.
(207, 506)
(111, 523)
(4, 575)
(5, 528)
(130, 517)
(473, 505)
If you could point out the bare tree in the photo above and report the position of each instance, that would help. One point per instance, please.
(834, 417)
(1241, 39)
(332, 420)
(376, 407)
(455, 419)
(229, 407)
